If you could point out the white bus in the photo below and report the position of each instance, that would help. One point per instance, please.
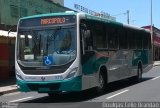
(65, 52)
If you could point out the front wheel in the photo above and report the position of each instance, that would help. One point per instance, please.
(102, 83)
(53, 95)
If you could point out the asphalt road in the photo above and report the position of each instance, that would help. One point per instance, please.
(122, 91)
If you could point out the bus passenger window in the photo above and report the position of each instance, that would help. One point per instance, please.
(132, 43)
(139, 40)
(113, 39)
(123, 40)
(145, 42)
(88, 40)
(100, 37)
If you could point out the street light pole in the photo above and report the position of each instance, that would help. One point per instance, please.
(151, 20)
(151, 27)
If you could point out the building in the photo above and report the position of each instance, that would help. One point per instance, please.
(7, 46)
(60, 2)
(156, 42)
(12, 10)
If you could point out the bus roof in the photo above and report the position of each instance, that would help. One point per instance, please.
(118, 24)
(88, 16)
(50, 14)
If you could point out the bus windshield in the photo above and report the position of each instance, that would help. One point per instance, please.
(47, 47)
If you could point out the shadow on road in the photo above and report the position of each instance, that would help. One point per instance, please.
(85, 95)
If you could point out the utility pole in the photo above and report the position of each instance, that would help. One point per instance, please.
(151, 22)
(128, 16)
(126, 13)
(151, 27)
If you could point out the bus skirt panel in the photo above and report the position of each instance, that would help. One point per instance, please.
(70, 85)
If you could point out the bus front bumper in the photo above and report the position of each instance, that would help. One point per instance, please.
(70, 85)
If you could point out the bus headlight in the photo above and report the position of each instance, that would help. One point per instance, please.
(18, 76)
(72, 73)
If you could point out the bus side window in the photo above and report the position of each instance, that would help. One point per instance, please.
(123, 39)
(113, 38)
(132, 43)
(88, 40)
(139, 40)
(100, 36)
(145, 42)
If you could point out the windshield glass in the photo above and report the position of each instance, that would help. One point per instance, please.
(48, 47)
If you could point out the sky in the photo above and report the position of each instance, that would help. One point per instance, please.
(139, 10)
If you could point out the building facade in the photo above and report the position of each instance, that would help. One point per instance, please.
(60, 2)
(12, 10)
(156, 42)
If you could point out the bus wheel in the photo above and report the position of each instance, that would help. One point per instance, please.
(138, 77)
(102, 83)
(139, 74)
(53, 95)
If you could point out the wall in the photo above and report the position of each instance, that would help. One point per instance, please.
(12, 10)
(61, 2)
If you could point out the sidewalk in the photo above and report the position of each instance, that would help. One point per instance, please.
(8, 86)
(156, 63)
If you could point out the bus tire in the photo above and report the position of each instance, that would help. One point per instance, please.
(102, 83)
(138, 77)
(53, 95)
(139, 73)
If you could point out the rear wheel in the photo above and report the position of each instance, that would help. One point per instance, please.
(138, 77)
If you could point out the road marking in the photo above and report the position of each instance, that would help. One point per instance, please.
(156, 78)
(21, 99)
(117, 94)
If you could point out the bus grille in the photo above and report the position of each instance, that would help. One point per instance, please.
(43, 72)
(35, 87)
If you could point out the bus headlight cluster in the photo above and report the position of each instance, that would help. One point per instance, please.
(18, 76)
(72, 73)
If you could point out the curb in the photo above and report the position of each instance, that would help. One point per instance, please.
(156, 65)
(8, 91)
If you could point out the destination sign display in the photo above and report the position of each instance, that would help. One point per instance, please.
(48, 20)
(57, 20)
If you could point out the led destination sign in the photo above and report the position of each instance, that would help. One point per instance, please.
(48, 20)
(53, 21)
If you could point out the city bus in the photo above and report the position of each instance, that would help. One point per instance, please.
(72, 52)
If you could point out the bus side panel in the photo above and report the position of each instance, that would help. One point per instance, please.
(91, 63)
(149, 64)
(143, 56)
